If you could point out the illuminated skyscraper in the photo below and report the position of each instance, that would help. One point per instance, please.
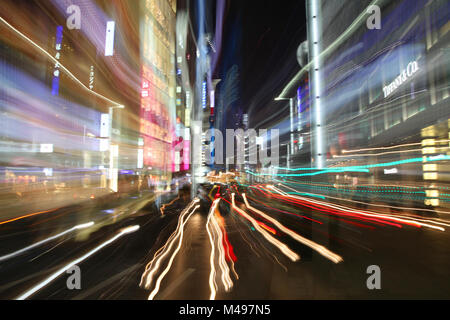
(157, 115)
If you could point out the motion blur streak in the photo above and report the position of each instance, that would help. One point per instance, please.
(434, 220)
(320, 249)
(56, 61)
(161, 254)
(291, 213)
(378, 205)
(383, 153)
(281, 246)
(55, 275)
(168, 204)
(34, 245)
(212, 274)
(229, 250)
(169, 265)
(390, 147)
(367, 166)
(226, 279)
(368, 213)
(26, 216)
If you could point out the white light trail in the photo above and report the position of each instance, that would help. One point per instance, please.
(154, 265)
(391, 147)
(281, 246)
(382, 153)
(344, 209)
(34, 245)
(317, 247)
(169, 265)
(216, 233)
(212, 274)
(161, 251)
(55, 275)
(56, 61)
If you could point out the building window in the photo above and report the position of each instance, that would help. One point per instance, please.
(442, 75)
(394, 116)
(378, 125)
(437, 21)
(374, 87)
(363, 98)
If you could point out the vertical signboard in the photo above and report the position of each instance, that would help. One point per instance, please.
(109, 43)
(58, 43)
(104, 131)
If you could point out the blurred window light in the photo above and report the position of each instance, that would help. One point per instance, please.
(432, 202)
(430, 175)
(428, 150)
(432, 193)
(428, 132)
(46, 148)
(430, 167)
(428, 142)
(109, 43)
(391, 171)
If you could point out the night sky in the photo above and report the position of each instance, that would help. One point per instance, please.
(270, 32)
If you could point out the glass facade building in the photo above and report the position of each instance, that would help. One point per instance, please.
(158, 96)
(384, 95)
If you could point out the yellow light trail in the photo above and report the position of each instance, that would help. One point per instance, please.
(167, 204)
(26, 216)
(382, 153)
(391, 147)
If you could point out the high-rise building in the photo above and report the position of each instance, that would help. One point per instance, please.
(158, 95)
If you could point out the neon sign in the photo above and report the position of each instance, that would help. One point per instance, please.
(58, 42)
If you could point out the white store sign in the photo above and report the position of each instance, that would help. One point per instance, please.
(407, 73)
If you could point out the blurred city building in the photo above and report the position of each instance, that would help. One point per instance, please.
(376, 96)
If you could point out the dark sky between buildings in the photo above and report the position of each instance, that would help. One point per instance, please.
(270, 32)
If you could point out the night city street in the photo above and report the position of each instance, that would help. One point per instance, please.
(194, 150)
